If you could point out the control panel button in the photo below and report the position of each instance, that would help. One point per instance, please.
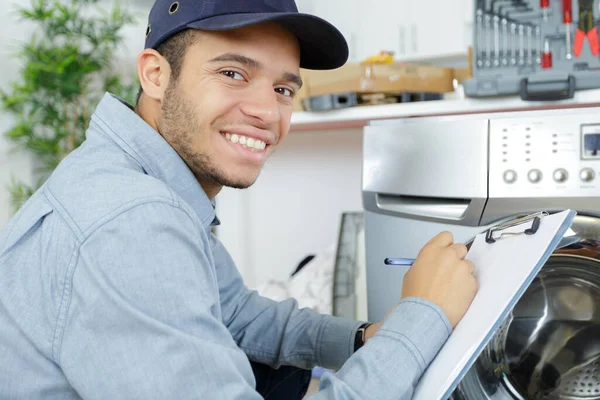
(534, 176)
(587, 174)
(510, 176)
(561, 175)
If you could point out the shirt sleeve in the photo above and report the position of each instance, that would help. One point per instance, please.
(279, 333)
(391, 363)
(143, 319)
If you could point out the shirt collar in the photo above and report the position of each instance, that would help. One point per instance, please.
(156, 156)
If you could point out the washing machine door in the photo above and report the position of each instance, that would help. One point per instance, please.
(549, 345)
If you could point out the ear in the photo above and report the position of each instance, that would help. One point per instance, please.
(154, 73)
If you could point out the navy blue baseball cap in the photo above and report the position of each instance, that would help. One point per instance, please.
(322, 46)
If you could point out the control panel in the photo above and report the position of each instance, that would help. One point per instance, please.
(551, 155)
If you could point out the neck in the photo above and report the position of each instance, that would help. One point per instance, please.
(148, 110)
(211, 188)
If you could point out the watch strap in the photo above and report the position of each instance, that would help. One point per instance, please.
(359, 338)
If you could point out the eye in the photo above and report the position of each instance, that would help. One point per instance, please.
(233, 75)
(284, 91)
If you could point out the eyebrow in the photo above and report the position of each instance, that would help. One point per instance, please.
(288, 76)
(252, 63)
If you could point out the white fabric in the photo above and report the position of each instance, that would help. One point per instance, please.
(312, 286)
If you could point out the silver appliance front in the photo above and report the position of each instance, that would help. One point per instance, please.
(466, 173)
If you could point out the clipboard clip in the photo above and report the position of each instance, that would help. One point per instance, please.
(535, 219)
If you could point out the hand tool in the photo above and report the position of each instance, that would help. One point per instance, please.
(546, 56)
(513, 51)
(538, 40)
(567, 20)
(586, 27)
(519, 12)
(480, 38)
(514, 6)
(529, 45)
(521, 45)
(545, 4)
(496, 40)
(505, 41)
(496, 6)
(489, 39)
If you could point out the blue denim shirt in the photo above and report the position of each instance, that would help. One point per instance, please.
(112, 286)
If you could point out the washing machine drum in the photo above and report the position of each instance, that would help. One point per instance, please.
(549, 345)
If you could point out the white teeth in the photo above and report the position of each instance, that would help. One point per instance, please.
(247, 142)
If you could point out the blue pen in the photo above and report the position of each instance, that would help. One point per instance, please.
(407, 262)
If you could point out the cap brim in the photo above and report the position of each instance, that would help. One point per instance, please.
(322, 46)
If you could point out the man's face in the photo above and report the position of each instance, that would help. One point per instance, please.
(232, 104)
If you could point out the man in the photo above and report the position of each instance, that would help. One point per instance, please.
(111, 283)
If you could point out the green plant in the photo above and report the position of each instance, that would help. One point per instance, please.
(68, 65)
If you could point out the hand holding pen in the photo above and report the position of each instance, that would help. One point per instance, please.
(440, 274)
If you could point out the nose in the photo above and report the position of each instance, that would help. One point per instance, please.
(262, 104)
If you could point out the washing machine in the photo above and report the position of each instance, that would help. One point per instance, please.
(466, 173)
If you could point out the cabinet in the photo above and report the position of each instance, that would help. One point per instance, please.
(378, 28)
(344, 15)
(413, 30)
(441, 28)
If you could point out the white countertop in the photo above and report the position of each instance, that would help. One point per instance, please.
(356, 117)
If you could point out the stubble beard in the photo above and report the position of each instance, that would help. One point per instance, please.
(178, 127)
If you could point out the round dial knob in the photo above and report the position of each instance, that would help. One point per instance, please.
(561, 175)
(534, 176)
(587, 174)
(510, 176)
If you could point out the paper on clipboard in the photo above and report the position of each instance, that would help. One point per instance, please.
(504, 269)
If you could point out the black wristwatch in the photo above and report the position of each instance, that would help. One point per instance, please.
(359, 338)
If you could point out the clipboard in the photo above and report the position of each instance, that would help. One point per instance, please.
(507, 258)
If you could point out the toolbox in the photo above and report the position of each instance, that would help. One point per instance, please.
(540, 49)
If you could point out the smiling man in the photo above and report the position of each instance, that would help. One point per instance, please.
(112, 285)
(226, 134)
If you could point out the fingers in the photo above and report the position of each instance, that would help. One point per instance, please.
(442, 239)
(469, 266)
(446, 239)
(460, 249)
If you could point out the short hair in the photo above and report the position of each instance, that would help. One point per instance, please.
(173, 50)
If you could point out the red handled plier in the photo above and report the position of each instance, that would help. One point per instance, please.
(586, 27)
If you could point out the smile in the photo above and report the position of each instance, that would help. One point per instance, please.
(247, 142)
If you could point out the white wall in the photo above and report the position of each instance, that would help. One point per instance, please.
(295, 206)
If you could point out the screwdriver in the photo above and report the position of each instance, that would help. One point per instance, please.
(546, 56)
(544, 4)
(568, 19)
